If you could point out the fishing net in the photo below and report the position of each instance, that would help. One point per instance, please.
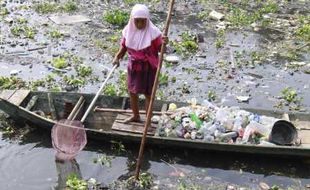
(68, 141)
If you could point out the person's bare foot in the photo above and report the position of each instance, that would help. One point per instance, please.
(132, 119)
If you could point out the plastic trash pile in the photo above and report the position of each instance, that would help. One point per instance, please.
(210, 123)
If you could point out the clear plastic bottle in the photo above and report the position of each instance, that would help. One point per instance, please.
(208, 138)
(255, 127)
(238, 123)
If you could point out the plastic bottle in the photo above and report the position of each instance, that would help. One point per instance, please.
(212, 128)
(195, 119)
(208, 138)
(255, 127)
(229, 135)
(238, 123)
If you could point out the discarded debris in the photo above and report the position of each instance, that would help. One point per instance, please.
(216, 15)
(243, 98)
(264, 186)
(15, 72)
(210, 123)
(172, 59)
(69, 19)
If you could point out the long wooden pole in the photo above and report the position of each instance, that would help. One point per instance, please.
(154, 89)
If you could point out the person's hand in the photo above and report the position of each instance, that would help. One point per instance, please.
(115, 62)
(165, 39)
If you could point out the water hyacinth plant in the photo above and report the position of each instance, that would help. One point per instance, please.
(56, 34)
(241, 17)
(60, 63)
(187, 46)
(220, 39)
(23, 31)
(51, 7)
(116, 17)
(69, 6)
(303, 32)
(73, 81)
(3, 11)
(45, 7)
(74, 183)
(11, 83)
(110, 90)
(290, 95)
(145, 181)
(118, 147)
(103, 160)
(84, 70)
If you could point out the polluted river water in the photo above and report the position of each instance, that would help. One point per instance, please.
(254, 57)
(28, 162)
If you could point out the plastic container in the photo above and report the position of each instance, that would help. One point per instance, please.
(254, 127)
(238, 123)
(195, 119)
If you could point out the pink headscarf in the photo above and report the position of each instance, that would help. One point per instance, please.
(140, 39)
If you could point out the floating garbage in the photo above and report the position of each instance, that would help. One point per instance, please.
(210, 123)
(15, 72)
(243, 98)
(172, 59)
(216, 15)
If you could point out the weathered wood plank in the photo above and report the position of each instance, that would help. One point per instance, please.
(6, 94)
(132, 127)
(122, 116)
(304, 135)
(51, 106)
(31, 102)
(302, 124)
(18, 97)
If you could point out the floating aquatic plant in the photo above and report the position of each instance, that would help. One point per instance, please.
(69, 6)
(74, 183)
(21, 20)
(11, 82)
(163, 79)
(45, 7)
(211, 95)
(73, 81)
(122, 81)
(103, 160)
(84, 71)
(145, 181)
(60, 63)
(120, 89)
(290, 95)
(240, 17)
(116, 17)
(303, 32)
(3, 11)
(110, 90)
(187, 46)
(118, 147)
(55, 34)
(220, 39)
(23, 31)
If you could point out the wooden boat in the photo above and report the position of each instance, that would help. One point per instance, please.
(37, 108)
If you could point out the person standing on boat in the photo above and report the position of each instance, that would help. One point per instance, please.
(142, 40)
